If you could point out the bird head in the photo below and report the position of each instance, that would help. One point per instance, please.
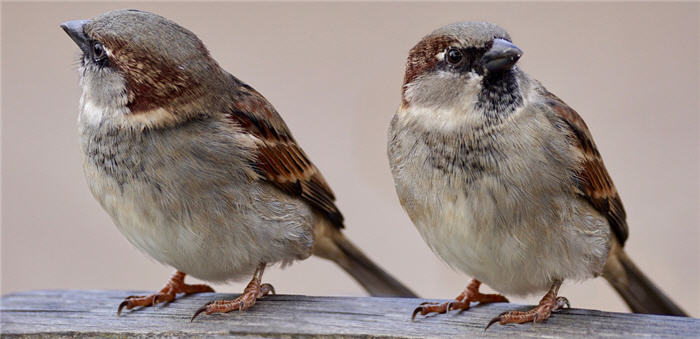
(460, 66)
(140, 69)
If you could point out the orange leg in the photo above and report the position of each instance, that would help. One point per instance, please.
(549, 303)
(470, 294)
(175, 285)
(254, 291)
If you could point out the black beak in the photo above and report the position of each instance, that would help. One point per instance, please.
(75, 31)
(502, 56)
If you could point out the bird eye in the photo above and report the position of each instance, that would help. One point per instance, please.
(98, 51)
(453, 55)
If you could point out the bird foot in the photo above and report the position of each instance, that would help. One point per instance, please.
(462, 302)
(536, 315)
(175, 285)
(254, 291)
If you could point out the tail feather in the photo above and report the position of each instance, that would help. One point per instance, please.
(374, 279)
(640, 294)
(330, 243)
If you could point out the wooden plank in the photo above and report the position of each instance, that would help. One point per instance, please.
(65, 314)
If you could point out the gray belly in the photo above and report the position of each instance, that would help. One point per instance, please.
(193, 208)
(493, 217)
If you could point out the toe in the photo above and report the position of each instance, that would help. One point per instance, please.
(429, 307)
(192, 289)
(134, 301)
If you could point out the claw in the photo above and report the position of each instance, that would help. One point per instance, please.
(462, 302)
(562, 302)
(415, 312)
(543, 311)
(174, 286)
(271, 288)
(121, 306)
(253, 291)
(200, 310)
(493, 321)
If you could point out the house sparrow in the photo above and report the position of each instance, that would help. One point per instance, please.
(198, 169)
(503, 179)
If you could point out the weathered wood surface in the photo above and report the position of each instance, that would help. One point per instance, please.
(58, 314)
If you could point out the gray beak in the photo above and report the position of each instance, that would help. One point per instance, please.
(502, 56)
(75, 31)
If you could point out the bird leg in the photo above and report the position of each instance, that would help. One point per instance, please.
(470, 294)
(549, 303)
(175, 285)
(252, 292)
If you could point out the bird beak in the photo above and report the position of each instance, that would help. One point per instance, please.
(75, 31)
(502, 56)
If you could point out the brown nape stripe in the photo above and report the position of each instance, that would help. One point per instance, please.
(152, 82)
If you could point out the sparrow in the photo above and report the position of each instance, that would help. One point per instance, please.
(196, 168)
(503, 181)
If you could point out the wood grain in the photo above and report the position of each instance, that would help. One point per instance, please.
(63, 314)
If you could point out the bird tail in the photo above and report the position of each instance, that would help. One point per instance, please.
(640, 294)
(331, 244)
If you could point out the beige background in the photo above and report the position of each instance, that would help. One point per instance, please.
(334, 72)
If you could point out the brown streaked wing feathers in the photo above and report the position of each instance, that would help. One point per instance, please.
(280, 159)
(594, 182)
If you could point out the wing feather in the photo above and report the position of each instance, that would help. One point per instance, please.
(593, 181)
(280, 160)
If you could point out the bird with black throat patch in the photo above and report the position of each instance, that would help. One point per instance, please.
(503, 180)
(196, 168)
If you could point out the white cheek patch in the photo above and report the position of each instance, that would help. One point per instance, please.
(101, 100)
(447, 117)
(93, 114)
(90, 113)
(154, 117)
(439, 118)
(104, 101)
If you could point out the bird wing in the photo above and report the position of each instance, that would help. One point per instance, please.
(593, 181)
(280, 160)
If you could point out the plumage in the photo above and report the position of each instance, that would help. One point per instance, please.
(503, 180)
(279, 159)
(593, 181)
(196, 168)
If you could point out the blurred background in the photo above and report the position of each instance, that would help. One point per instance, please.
(334, 72)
